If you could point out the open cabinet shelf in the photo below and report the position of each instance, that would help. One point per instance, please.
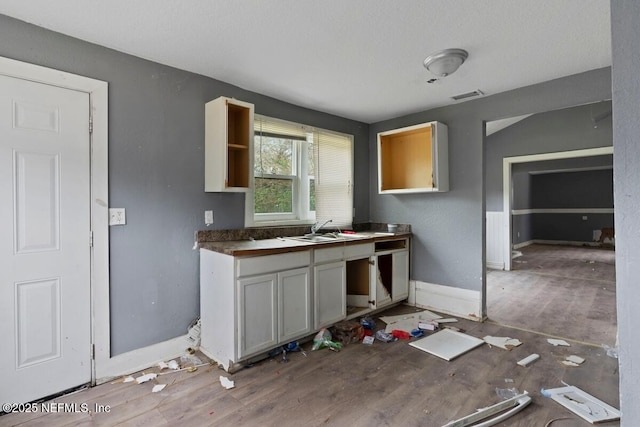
(228, 145)
(413, 159)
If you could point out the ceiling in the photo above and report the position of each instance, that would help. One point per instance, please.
(359, 59)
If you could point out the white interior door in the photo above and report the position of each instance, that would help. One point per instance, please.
(44, 240)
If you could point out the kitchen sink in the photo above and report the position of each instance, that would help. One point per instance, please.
(327, 237)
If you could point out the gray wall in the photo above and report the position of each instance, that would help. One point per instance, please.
(625, 26)
(156, 170)
(448, 246)
(552, 131)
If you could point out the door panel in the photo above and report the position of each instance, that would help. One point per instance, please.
(45, 310)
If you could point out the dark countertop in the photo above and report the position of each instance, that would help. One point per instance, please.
(283, 245)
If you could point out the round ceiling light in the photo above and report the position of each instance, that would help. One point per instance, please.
(445, 62)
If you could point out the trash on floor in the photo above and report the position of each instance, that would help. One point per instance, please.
(507, 393)
(385, 336)
(447, 320)
(505, 343)
(573, 361)
(347, 332)
(157, 388)
(447, 344)
(128, 379)
(402, 335)
(171, 365)
(193, 332)
(227, 383)
(428, 326)
(408, 322)
(583, 404)
(323, 339)
(368, 340)
(368, 323)
(611, 351)
(145, 377)
(529, 359)
(555, 342)
(511, 406)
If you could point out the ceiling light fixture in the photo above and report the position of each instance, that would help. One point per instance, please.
(445, 62)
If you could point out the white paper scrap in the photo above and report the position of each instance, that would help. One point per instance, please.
(529, 359)
(227, 383)
(505, 343)
(575, 359)
(157, 388)
(173, 365)
(569, 363)
(556, 343)
(128, 379)
(144, 378)
(162, 365)
(368, 340)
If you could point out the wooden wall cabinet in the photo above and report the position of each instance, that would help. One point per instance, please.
(413, 159)
(228, 148)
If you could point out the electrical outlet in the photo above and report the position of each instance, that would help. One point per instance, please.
(584, 218)
(117, 216)
(208, 217)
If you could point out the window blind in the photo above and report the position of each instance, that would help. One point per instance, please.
(333, 154)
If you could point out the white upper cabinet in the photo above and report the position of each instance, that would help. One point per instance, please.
(413, 159)
(228, 148)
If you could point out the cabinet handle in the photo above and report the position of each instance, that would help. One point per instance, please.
(372, 262)
(372, 302)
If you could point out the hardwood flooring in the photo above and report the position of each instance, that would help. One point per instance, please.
(564, 291)
(384, 384)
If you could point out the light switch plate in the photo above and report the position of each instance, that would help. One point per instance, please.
(208, 217)
(117, 216)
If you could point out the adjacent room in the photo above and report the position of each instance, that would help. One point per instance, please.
(304, 213)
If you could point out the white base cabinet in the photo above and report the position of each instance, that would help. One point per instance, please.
(250, 305)
(247, 308)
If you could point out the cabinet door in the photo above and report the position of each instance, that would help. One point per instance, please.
(400, 286)
(294, 304)
(257, 310)
(330, 293)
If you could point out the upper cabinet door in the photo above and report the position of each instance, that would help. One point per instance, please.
(413, 159)
(228, 145)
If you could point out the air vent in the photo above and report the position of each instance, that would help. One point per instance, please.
(467, 95)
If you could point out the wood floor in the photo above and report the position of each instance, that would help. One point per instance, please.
(384, 384)
(565, 291)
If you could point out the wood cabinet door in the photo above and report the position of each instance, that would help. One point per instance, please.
(330, 293)
(257, 314)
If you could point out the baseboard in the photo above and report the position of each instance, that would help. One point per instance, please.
(457, 302)
(141, 358)
(495, 265)
(523, 244)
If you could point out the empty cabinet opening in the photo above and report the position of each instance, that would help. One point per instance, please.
(391, 244)
(385, 273)
(238, 143)
(357, 285)
(405, 160)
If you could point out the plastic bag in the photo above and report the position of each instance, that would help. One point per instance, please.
(323, 339)
(385, 336)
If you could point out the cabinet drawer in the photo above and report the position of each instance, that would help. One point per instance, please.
(272, 263)
(358, 251)
(334, 253)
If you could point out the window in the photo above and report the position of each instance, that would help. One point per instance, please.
(301, 175)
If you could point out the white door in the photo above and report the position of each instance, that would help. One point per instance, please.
(44, 240)
(330, 293)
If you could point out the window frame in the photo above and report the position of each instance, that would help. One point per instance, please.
(302, 214)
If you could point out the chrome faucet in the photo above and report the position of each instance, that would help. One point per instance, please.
(315, 227)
